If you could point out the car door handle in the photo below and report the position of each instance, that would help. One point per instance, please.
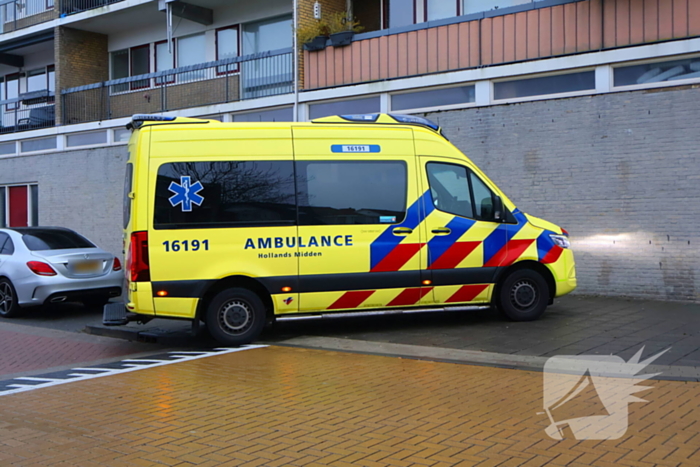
(443, 231)
(401, 231)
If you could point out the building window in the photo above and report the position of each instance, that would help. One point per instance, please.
(227, 46)
(351, 192)
(433, 98)
(356, 106)
(271, 75)
(131, 62)
(398, 13)
(545, 85)
(165, 60)
(440, 9)
(19, 205)
(658, 72)
(12, 90)
(284, 114)
(191, 51)
(140, 65)
(234, 194)
(42, 79)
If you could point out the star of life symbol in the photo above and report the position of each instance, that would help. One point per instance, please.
(583, 381)
(186, 193)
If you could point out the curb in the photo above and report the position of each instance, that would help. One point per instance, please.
(464, 357)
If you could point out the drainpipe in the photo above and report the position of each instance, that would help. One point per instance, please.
(295, 51)
(348, 8)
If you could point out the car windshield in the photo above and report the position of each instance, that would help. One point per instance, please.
(38, 240)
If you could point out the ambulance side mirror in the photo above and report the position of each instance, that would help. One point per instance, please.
(498, 212)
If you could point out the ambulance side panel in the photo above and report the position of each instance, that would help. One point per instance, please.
(219, 197)
(358, 184)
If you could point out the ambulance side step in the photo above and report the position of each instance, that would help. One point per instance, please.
(379, 312)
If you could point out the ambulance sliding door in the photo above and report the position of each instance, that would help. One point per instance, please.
(359, 212)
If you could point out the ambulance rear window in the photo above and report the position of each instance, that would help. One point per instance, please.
(351, 192)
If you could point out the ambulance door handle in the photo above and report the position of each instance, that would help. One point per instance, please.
(401, 231)
(444, 231)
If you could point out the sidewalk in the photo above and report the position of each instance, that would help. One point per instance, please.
(574, 325)
(26, 350)
(279, 406)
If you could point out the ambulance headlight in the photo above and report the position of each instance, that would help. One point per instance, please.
(561, 240)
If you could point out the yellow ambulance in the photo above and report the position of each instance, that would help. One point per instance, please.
(239, 224)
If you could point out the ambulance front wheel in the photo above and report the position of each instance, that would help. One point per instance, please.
(523, 295)
(236, 316)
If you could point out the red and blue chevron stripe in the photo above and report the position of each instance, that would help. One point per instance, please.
(387, 253)
(445, 252)
(499, 247)
(547, 251)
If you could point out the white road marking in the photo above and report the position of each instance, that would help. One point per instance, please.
(113, 371)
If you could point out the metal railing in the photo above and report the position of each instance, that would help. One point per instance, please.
(18, 14)
(70, 7)
(229, 80)
(29, 111)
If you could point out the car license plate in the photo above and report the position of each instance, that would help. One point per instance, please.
(87, 267)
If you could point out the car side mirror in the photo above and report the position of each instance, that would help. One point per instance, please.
(498, 212)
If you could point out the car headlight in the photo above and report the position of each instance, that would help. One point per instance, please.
(560, 240)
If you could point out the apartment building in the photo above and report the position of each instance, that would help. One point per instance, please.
(584, 111)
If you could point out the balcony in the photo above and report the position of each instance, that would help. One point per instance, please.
(19, 14)
(229, 80)
(29, 111)
(530, 31)
(70, 7)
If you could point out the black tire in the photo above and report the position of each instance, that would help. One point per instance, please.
(235, 317)
(9, 305)
(523, 295)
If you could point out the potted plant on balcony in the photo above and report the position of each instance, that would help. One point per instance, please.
(342, 28)
(313, 36)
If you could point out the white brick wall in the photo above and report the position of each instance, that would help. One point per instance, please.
(81, 190)
(620, 172)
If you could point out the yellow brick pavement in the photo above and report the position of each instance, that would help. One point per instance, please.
(290, 407)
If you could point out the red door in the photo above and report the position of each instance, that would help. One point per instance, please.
(19, 214)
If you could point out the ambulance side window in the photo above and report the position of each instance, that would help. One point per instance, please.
(192, 195)
(351, 192)
(457, 190)
(449, 188)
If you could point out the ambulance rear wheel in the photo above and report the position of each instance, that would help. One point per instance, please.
(235, 316)
(523, 295)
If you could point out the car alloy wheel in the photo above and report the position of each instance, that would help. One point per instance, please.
(8, 301)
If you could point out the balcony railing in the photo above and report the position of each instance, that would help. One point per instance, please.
(69, 7)
(29, 111)
(531, 31)
(234, 79)
(18, 14)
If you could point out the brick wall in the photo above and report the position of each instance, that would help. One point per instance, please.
(620, 172)
(306, 17)
(26, 21)
(81, 58)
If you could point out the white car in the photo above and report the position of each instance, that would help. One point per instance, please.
(41, 265)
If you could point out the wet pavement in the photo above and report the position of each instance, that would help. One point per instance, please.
(574, 325)
(279, 406)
